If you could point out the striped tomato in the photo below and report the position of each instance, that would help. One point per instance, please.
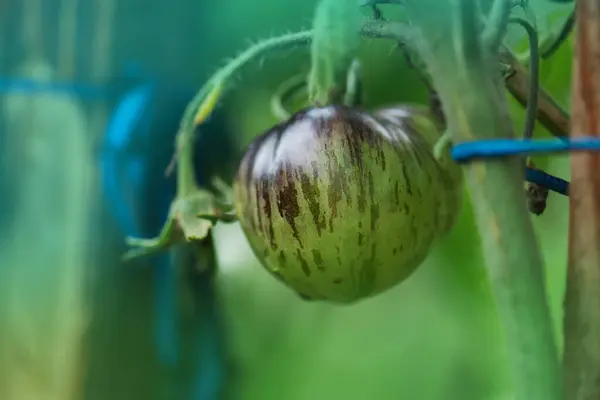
(341, 204)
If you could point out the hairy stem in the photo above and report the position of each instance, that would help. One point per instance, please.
(186, 177)
(534, 72)
(206, 99)
(202, 105)
(475, 106)
(582, 301)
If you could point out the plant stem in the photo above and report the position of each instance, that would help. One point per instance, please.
(336, 38)
(206, 99)
(582, 300)
(549, 113)
(476, 108)
(534, 74)
(495, 29)
(222, 75)
(552, 47)
(186, 176)
(553, 117)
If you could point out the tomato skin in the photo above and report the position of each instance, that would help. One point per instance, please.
(341, 204)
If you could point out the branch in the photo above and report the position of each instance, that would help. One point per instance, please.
(582, 301)
(534, 77)
(550, 114)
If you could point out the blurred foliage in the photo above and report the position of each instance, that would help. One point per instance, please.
(42, 251)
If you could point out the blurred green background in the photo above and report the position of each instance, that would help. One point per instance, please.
(434, 337)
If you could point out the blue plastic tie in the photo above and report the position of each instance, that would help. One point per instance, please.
(467, 151)
(546, 180)
(496, 148)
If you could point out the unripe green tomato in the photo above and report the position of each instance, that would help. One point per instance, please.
(341, 204)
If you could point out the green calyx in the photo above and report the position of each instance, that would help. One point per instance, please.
(193, 214)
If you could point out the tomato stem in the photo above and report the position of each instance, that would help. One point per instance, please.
(336, 37)
(495, 28)
(207, 97)
(549, 113)
(464, 71)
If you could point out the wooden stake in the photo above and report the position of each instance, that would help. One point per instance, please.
(582, 301)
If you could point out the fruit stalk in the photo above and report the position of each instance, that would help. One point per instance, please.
(206, 99)
(336, 37)
(475, 107)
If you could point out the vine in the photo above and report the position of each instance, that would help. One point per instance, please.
(511, 253)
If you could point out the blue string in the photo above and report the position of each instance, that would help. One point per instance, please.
(28, 86)
(467, 151)
(495, 148)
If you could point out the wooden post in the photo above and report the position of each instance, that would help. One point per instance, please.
(582, 301)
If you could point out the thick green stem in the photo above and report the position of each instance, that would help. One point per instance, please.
(467, 78)
(495, 28)
(336, 37)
